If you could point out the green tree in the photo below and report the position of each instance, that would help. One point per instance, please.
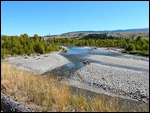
(138, 38)
(15, 50)
(21, 51)
(26, 49)
(36, 36)
(131, 47)
(31, 49)
(25, 35)
(5, 38)
(3, 53)
(39, 48)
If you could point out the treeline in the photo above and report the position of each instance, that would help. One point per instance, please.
(133, 46)
(99, 36)
(21, 45)
(138, 46)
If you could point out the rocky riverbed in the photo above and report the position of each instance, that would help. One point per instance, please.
(39, 63)
(111, 80)
(112, 75)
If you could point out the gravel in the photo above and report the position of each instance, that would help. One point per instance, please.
(121, 61)
(124, 82)
(39, 63)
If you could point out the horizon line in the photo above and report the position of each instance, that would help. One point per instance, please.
(84, 31)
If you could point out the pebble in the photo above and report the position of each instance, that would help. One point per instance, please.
(124, 82)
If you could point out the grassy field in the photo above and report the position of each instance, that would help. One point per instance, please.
(44, 93)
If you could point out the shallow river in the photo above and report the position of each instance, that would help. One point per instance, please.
(77, 54)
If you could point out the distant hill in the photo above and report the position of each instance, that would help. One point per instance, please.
(119, 33)
(133, 33)
(110, 31)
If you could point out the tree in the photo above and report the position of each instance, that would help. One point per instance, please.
(36, 36)
(5, 38)
(25, 36)
(139, 38)
(15, 50)
(26, 49)
(31, 49)
(39, 48)
(3, 53)
(21, 51)
(130, 47)
(125, 45)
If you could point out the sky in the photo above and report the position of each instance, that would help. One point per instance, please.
(57, 17)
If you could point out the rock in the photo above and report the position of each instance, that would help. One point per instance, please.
(45, 55)
(144, 100)
(103, 78)
(26, 57)
(86, 62)
(9, 105)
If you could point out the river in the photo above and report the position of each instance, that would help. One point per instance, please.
(77, 54)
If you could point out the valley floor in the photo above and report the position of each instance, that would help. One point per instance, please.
(126, 78)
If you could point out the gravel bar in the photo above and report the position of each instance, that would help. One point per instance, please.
(121, 82)
(39, 63)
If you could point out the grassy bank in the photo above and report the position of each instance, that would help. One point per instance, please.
(44, 93)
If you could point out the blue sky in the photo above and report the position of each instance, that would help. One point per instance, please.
(56, 17)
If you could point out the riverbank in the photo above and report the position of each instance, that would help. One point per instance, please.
(106, 49)
(120, 61)
(38, 63)
(116, 49)
(119, 76)
(46, 94)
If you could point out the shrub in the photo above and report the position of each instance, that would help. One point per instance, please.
(130, 47)
(39, 48)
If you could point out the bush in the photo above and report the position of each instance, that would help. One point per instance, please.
(39, 48)
(130, 47)
(3, 53)
(138, 38)
(15, 50)
(21, 52)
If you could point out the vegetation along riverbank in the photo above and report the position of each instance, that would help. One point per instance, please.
(23, 44)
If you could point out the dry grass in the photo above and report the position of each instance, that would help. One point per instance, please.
(44, 93)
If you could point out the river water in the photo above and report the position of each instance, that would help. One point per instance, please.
(77, 54)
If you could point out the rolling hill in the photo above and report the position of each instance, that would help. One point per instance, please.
(132, 33)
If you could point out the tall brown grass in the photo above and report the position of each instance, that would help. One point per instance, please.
(45, 93)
